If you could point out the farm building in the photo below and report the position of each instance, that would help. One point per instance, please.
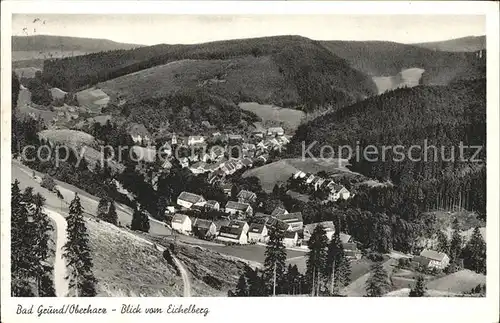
(327, 225)
(245, 196)
(432, 259)
(234, 232)
(187, 200)
(258, 233)
(204, 229)
(293, 220)
(233, 207)
(181, 223)
(290, 239)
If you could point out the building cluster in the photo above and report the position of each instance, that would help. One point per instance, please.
(241, 226)
(315, 183)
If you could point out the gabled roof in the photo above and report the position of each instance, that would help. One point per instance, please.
(190, 197)
(211, 203)
(278, 211)
(196, 138)
(237, 206)
(247, 195)
(291, 234)
(291, 217)
(256, 228)
(344, 238)
(179, 218)
(221, 223)
(432, 254)
(350, 246)
(327, 225)
(199, 165)
(202, 224)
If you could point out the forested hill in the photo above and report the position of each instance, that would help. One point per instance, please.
(46, 42)
(302, 70)
(383, 58)
(464, 44)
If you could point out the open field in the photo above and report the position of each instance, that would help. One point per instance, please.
(459, 282)
(254, 253)
(282, 170)
(272, 115)
(357, 287)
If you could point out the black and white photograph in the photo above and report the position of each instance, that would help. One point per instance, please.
(248, 155)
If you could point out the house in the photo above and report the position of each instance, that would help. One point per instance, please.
(184, 162)
(193, 158)
(221, 223)
(228, 168)
(299, 174)
(234, 232)
(166, 164)
(310, 179)
(198, 168)
(258, 232)
(216, 134)
(139, 133)
(187, 200)
(338, 192)
(294, 220)
(181, 223)
(275, 131)
(212, 205)
(170, 210)
(258, 130)
(344, 238)
(245, 196)
(205, 157)
(227, 188)
(238, 208)
(327, 225)
(351, 250)
(174, 139)
(278, 211)
(204, 229)
(290, 239)
(247, 162)
(195, 140)
(234, 139)
(318, 183)
(284, 140)
(433, 259)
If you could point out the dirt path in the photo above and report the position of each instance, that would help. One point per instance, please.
(185, 277)
(60, 272)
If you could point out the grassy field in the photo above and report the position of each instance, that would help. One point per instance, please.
(282, 170)
(254, 253)
(459, 282)
(272, 115)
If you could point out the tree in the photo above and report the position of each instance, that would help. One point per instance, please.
(274, 263)
(140, 221)
(112, 217)
(474, 253)
(102, 208)
(378, 282)
(316, 258)
(337, 267)
(256, 286)
(77, 252)
(455, 244)
(419, 289)
(241, 287)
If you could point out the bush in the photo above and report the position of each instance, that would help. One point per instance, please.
(403, 262)
(375, 256)
(48, 183)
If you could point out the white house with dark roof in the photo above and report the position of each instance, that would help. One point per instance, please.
(310, 179)
(234, 208)
(327, 225)
(234, 232)
(181, 223)
(290, 239)
(205, 229)
(294, 220)
(245, 196)
(258, 232)
(279, 211)
(433, 259)
(275, 131)
(187, 200)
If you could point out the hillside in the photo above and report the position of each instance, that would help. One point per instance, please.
(283, 70)
(383, 58)
(45, 46)
(464, 44)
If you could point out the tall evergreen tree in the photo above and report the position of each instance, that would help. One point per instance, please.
(274, 263)
(293, 280)
(456, 243)
(474, 253)
(242, 287)
(112, 217)
(316, 258)
(140, 221)
(419, 289)
(102, 207)
(378, 282)
(77, 252)
(337, 268)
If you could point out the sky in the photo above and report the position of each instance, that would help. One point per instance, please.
(190, 29)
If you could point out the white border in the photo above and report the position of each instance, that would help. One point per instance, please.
(280, 309)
